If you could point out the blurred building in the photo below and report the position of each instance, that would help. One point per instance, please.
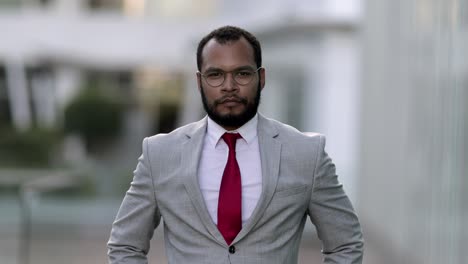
(386, 83)
(52, 49)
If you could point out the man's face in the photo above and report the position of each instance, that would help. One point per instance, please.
(230, 105)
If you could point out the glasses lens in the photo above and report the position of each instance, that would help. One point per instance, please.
(243, 77)
(215, 78)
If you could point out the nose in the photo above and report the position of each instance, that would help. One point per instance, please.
(229, 83)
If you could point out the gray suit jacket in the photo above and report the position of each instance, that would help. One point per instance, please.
(299, 180)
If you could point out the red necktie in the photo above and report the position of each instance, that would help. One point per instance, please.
(230, 197)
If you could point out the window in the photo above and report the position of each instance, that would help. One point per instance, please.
(5, 114)
(105, 5)
(18, 3)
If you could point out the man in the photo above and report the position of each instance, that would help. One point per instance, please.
(235, 187)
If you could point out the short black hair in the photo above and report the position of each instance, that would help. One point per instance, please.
(227, 34)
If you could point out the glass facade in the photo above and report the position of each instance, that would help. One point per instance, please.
(413, 196)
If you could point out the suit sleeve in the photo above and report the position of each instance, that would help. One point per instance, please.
(333, 215)
(137, 218)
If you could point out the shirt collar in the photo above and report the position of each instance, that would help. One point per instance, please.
(248, 131)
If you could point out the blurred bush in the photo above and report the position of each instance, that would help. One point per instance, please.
(97, 118)
(168, 114)
(84, 186)
(29, 149)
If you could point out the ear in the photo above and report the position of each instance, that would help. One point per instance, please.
(262, 78)
(199, 80)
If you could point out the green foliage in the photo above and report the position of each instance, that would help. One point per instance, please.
(29, 149)
(94, 116)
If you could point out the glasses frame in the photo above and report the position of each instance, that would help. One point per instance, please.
(225, 73)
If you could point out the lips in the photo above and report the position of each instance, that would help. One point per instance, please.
(231, 100)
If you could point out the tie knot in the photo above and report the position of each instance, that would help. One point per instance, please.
(230, 139)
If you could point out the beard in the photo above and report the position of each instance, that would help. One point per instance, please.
(232, 120)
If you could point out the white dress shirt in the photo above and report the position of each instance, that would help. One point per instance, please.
(214, 158)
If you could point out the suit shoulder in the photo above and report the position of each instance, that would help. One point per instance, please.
(174, 136)
(289, 132)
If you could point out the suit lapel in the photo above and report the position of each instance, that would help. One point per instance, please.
(270, 154)
(191, 152)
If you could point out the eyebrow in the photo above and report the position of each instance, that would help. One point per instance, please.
(246, 67)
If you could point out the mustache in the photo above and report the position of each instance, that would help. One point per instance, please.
(230, 98)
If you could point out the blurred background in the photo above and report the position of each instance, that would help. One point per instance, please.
(82, 82)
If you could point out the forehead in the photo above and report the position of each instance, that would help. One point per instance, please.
(229, 55)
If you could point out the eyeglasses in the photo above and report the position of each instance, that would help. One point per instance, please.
(216, 78)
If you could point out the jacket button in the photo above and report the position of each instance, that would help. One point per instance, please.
(232, 249)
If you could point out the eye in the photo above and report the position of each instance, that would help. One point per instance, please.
(214, 74)
(244, 73)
